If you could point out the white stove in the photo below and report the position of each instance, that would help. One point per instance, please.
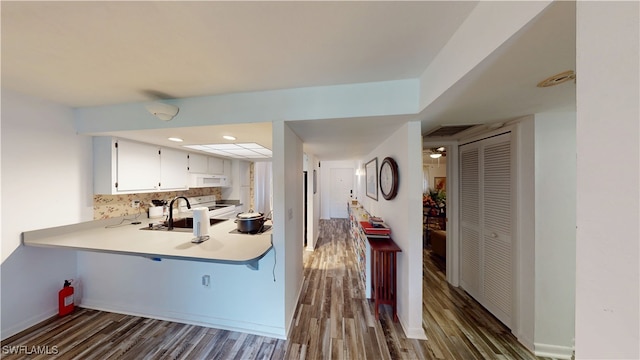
(218, 211)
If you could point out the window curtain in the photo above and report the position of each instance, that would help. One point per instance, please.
(263, 200)
(425, 179)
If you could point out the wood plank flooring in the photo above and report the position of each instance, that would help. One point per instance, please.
(333, 320)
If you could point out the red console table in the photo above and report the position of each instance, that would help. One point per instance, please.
(383, 269)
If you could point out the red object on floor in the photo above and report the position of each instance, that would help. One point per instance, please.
(65, 299)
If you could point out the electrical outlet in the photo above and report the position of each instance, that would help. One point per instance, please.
(135, 204)
(206, 281)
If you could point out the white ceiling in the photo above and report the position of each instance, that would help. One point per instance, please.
(100, 53)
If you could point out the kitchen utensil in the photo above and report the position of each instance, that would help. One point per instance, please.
(159, 202)
(250, 222)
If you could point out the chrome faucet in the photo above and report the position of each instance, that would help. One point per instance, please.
(170, 221)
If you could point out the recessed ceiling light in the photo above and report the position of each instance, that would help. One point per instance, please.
(228, 137)
(175, 139)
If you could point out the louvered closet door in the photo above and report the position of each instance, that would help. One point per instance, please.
(470, 219)
(486, 249)
(497, 239)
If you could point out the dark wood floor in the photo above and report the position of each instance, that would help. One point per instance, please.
(333, 320)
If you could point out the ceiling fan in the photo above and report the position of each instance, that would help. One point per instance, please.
(437, 152)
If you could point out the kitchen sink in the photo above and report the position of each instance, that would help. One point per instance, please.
(182, 225)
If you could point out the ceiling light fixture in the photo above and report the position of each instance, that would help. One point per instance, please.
(558, 79)
(238, 151)
(162, 111)
(229, 137)
(435, 156)
(175, 139)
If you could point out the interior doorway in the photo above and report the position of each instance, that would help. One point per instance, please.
(434, 204)
(340, 191)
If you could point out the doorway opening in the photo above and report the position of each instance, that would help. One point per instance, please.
(434, 205)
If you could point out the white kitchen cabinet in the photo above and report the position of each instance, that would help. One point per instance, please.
(226, 168)
(244, 176)
(122, 166)
(203, 164)
(173, 169)
(198, 163)
(125, 167)
(216, 165)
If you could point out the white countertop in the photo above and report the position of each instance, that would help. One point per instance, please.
(222, 246)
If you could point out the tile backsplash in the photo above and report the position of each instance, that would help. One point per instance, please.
(111, 206)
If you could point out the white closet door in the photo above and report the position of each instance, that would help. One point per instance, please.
(497, 211)
(486, 206)
(470, 219)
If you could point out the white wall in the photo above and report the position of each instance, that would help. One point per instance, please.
(608, 214)
(287, 215)
(239, 298)
(555, 233)
(321, 102)
(46, 181)
(524, 328)
(404, 215)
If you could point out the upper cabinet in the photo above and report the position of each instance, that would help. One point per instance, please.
(135, 167)
(244, 176)
(203, 164)
(216, 165)
(198, 163)
(123, 166)
(173, 169)
(226, 166)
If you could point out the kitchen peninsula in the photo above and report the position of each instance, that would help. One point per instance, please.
(120, 236)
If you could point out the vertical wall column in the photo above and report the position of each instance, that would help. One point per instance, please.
(608, 185)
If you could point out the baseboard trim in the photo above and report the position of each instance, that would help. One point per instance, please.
(191, 319)
(8, 332)
(413, 333)
(526, 342)
(553, 351)
(293, 313)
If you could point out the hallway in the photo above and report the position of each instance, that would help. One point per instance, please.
(335, 321)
